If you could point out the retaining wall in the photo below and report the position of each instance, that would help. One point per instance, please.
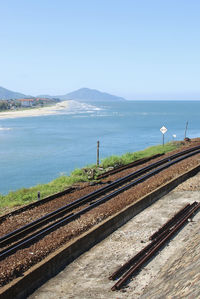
(54, 263)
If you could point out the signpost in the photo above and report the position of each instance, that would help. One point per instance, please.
(163, 130)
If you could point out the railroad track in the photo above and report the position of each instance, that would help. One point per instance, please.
(129, 165)
(37, 229)
(159, 239)
(71, 189)
(37, 203)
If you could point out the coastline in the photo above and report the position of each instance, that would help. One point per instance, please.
(50, 110)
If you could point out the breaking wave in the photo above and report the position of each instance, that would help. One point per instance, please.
(74, 107)
(4, 129)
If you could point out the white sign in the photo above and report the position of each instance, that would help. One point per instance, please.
(163, 130)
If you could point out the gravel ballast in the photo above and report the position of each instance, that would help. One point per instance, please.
(19, 262)
(173, 273)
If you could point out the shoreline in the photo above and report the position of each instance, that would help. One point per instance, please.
(42, 111)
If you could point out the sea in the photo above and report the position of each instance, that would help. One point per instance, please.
(36, 150)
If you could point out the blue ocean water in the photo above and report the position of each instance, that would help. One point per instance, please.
(36, 150)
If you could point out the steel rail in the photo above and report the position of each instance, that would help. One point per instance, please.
(10, 237)
(157, 244)
(129, 165)
(162, 230)
(170, 222)
(37, 203)
(166, 229)
(71, 189)
(98, 202)
(75, 204)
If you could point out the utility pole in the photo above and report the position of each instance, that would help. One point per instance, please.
(97, 153)
(186, 128)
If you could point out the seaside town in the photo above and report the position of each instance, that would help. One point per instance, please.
(32, 102)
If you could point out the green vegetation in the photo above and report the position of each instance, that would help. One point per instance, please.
(27, 195)
(12, 104)
(9, 104)
(130, 157)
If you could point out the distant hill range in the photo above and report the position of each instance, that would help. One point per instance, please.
(82, 94)
(87, 94)
(6, 94)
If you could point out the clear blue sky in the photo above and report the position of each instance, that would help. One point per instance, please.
(134, 49)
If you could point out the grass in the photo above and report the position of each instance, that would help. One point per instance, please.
(131, 157)
(27, 195)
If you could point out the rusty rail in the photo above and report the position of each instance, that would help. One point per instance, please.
(171, 222)
(150, 250)
(23, 231)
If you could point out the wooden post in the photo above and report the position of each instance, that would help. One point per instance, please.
(97, 153)
(38, 195)
(186, 128)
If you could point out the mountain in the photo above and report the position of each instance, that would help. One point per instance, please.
(82, 94)
(87, 94)
(6, 94)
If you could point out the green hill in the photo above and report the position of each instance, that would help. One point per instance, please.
(6, 94)
(87, 94)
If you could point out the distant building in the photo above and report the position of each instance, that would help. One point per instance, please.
(43, 100)
(35, 102)
(26, 102)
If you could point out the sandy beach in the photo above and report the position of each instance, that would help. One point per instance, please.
(35, 111)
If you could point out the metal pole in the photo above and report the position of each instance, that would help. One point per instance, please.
(163, 140)
(97, 153)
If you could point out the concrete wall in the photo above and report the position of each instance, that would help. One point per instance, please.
(49, 267)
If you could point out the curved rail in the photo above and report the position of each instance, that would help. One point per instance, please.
(15, 235)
